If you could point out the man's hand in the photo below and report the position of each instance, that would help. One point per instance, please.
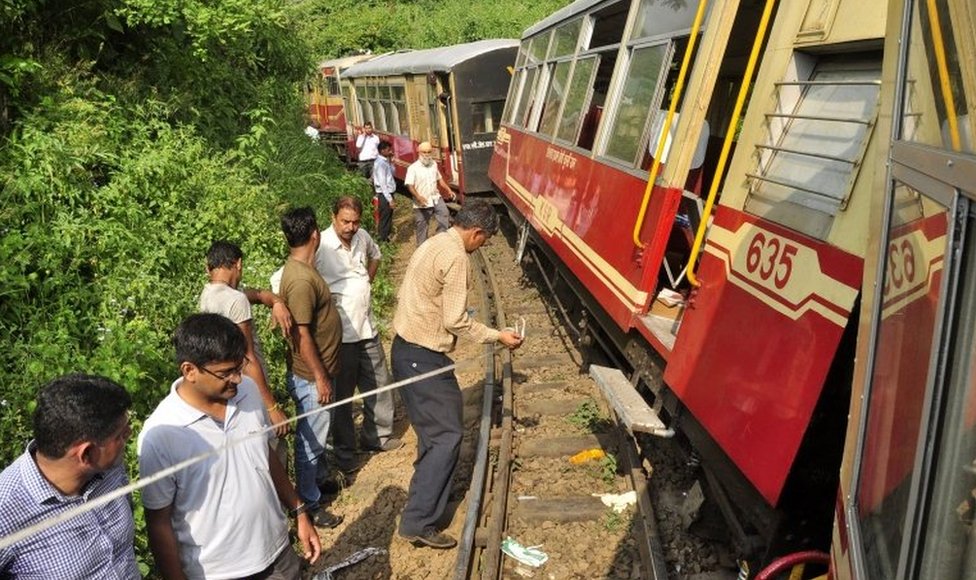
(324, 387)
(311, 545)
(278, 418)
(510, 338)
(281, 317)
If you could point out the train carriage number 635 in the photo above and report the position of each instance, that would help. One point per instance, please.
(901, 265)
(771, 258)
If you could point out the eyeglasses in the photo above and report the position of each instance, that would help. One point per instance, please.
(224, 375)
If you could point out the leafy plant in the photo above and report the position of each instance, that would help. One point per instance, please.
(586, 417)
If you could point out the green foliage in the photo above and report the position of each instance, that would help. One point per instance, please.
(338, 27)
(587, 417)
(613, 521)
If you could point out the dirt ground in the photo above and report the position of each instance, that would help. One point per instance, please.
(372, 501)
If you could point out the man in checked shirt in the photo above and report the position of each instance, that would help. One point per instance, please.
(81, 427)
(431, 314)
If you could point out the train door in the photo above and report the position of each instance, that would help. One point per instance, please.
(911, 505)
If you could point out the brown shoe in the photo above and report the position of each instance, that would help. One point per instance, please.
(436, 540)
(326, 520)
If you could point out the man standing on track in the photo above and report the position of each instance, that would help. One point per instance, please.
(348, 259)
(431, 315)
(367, 144)
(313, 360)
(384, 186)
(221, 295)
(220, 517)
(81, 426)
(424, 182)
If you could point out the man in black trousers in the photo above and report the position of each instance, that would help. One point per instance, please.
(431, 314)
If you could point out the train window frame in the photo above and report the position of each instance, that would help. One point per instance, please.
(936, 176)
(800, 115)
(577, 81)
(554, 100)
(565, 39)
(490, 123)
(608, 130)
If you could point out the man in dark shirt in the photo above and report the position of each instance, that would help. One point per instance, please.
(313, 359)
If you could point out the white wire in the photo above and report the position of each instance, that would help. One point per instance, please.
(11, 539)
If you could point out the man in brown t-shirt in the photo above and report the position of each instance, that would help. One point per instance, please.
(313, 359)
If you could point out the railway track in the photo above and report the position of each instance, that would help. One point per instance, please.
(550, 450)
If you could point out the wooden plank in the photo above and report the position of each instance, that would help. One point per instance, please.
(551, 407)
(562, 510)
(530, 388)
(543, 361)
(632, 410)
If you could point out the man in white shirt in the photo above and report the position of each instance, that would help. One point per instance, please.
(221, 517)
(425, 184)
(347, 259)
(367, 144)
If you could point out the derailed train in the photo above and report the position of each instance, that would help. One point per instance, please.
(765, 208)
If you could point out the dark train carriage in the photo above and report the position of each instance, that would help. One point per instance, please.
(452, 96)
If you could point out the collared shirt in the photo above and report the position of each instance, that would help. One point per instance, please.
(432, 305)
(310, 301)
(383, 181)
(226, 517)
(424, 180)
(97, 544)
(345, 271)
(367, 146)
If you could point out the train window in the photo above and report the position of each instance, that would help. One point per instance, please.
(564, 39)
(663, 18)
(608, 25)
(485, 116)
(949, 548)
(525, 100)
(640, 93)
(538, 48)
(579, 89)
(379, 117)
(398, 94)
(817, 134)
(434, 115)
(554, 98)
(907, 335)
(332, 85)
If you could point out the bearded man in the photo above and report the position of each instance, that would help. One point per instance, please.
(425, 184)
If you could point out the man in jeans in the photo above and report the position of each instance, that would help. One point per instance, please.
(313, 360)
(348, 259)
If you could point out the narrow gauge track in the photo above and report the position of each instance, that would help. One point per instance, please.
(538, 412)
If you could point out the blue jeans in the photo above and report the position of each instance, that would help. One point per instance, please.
(311, 434)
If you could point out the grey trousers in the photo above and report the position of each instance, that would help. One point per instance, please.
(361, 364)
(421, 217)
(434, 406)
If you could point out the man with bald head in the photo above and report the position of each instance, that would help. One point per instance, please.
(425, 184)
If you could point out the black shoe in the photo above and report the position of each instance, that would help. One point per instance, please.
(324, 519)
(391, 444)
(330, 487)
(436, 540)
(351, 468)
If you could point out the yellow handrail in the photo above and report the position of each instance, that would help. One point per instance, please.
(943, 68)
(679, 87)
(727, 144)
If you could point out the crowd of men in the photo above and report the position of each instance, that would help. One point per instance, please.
(216, 491)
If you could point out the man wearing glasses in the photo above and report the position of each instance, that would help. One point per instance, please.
(221, 517)
(425, 184)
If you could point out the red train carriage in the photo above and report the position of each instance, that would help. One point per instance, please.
(451, 96)
(327, 105)
(624, 127)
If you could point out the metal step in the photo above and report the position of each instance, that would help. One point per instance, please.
(632, 410)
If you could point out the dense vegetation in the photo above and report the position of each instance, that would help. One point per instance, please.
(134, 132)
